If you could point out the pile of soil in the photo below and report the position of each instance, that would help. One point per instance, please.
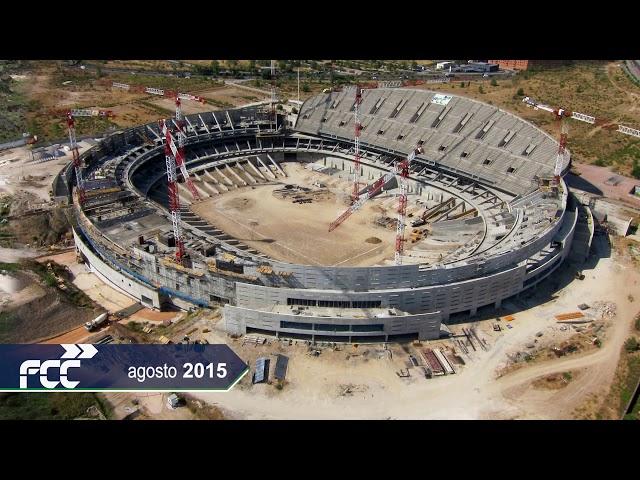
(555, 381)
(44, 229)
(49, 315)
(42, 318)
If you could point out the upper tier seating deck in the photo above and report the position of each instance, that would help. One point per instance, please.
(457, 133)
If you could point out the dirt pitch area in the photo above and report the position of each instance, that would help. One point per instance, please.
(296, 232)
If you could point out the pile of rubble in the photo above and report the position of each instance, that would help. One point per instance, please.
(604, 310)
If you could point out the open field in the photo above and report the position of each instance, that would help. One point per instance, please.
(228, 97)
(596, 88)
(48, 89)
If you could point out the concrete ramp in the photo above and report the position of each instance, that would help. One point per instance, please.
(267, 168)
(224, 177)
(245, 173)
(255, 169)
(184, 195)
(278, 167)
(235, 175)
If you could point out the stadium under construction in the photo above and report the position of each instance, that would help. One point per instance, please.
(487, 214)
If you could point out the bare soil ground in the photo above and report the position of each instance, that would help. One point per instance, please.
(270, 222)
(50, 90)
(299, 232)
(362, 382)
(598, 176)
(153, 406)
(228, 97)
(44, 314)
(77, 335)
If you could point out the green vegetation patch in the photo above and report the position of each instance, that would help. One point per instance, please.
(9, 267)
(629, 385)
(47, 406)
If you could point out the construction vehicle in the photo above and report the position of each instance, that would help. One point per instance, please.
(96, 322)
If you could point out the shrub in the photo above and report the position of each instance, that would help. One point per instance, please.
(494, 83)
(480, 89)
(635, 169)
(631, 345)
(520, 92)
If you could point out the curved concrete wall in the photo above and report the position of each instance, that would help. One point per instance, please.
(430, 294)
(123, 283)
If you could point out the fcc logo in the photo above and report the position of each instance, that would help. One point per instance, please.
(69, 359)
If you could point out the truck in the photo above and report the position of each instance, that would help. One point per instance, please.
(96, 322)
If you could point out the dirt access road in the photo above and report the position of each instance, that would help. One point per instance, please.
(473, 393)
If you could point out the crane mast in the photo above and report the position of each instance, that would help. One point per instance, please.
(402, 210)
(178, 154)
(75, 155)
(172, 191)
(356, 157)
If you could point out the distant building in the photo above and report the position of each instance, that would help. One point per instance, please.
(483, 67)
(443, 65)
(526, 64)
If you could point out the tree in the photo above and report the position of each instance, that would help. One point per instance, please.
(306, 88)
(635, 169)
(631, 345)
(215, 67)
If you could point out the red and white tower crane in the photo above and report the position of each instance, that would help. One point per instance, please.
(402, 176)
(158, 91)
(356, 144)
(178, 154)
(561, 114)
(274, 115)
(178, 151)
(86, 112)
(172, 191)
(180, 157)
(401, 172)
(75, 155)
